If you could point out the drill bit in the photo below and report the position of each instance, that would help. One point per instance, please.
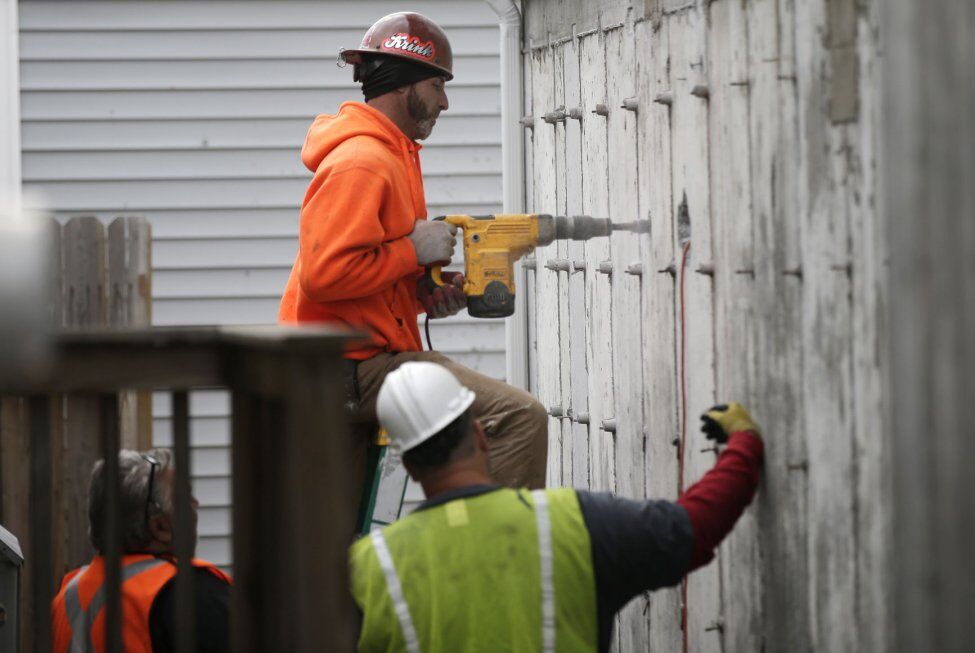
(637, 227)
(583, 227)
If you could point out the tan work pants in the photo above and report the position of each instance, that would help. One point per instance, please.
(515, 423)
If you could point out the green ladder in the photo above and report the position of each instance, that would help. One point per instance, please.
(384, 489)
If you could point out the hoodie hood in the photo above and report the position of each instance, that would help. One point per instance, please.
(353, 119)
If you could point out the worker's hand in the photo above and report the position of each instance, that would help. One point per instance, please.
(723, 420)
(443, 301)
(434, 241)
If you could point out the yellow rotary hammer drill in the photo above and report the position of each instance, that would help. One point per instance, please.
(492, 244)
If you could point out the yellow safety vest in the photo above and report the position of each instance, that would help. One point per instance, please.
(508, 570)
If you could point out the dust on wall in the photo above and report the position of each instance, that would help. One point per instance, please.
(746, 133)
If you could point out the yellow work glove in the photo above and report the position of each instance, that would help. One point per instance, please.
(723, 420)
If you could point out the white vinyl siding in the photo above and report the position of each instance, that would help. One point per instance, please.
(192, 114)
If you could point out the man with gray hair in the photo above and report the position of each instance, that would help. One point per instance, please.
(148, 568)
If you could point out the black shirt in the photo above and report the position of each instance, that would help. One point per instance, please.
(212, 596)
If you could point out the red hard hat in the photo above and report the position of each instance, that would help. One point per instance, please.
(406, 35)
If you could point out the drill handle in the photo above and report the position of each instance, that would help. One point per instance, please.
(433, 276)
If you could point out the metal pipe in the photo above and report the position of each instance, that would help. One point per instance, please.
(513, 176)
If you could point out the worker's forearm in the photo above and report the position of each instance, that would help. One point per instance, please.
(715, 503)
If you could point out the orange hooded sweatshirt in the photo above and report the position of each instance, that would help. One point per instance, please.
(355, 264)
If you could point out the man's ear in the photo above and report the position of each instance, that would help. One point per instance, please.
(409, 469)
(161, 529)
(480, 438)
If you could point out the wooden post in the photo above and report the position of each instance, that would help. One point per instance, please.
(108, 404)
(15, 481)
(130, 304)
(248, 485)
(84, 244)
(311, 460)
(288, 473)
(41, 513)
(182, 497)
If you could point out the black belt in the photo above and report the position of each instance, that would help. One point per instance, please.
(353, 396)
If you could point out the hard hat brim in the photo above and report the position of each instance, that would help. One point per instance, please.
(354, 56)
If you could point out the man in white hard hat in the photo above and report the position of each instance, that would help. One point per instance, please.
(485, 568)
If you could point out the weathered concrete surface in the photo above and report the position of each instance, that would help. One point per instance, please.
(560, 19)
(749, 138)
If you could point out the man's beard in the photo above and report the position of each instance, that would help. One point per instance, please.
(424, 117)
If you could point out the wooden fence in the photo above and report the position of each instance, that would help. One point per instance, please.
(100, 276)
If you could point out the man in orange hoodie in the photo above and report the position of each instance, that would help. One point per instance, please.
(364, 238)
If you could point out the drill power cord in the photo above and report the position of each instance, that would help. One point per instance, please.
(683, 428)
(426, 328)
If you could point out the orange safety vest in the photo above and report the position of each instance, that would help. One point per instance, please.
(77, 614)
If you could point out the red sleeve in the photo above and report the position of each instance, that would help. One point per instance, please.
(716, 502)
(341, 241)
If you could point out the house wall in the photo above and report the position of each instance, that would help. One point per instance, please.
(9, 105)
(193, 115)
(750, 144)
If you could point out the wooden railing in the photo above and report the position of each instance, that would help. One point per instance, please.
(292, 515)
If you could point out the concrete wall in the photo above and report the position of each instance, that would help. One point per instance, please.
(749, 142)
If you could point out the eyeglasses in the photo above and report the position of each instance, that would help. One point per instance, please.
(153, 463)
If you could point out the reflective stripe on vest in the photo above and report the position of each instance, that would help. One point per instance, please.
(395, 592)
(402, 610)
(545, 561)
(81, 620)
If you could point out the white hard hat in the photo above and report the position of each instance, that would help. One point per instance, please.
(417, 400)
